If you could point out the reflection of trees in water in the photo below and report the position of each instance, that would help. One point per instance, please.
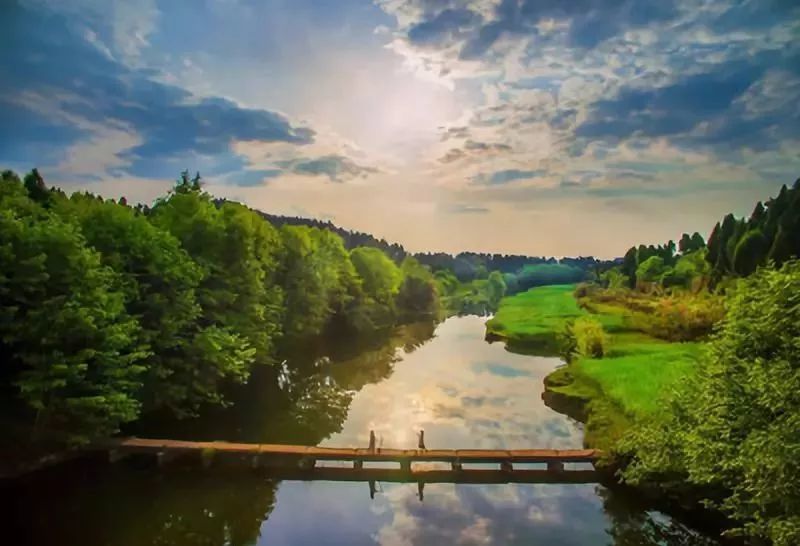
(321, 384)
(321, 377)
(632, 524)
(121, 506)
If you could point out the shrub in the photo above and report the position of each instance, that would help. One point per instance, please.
(591, 340)
(681, 318)
(566, 342)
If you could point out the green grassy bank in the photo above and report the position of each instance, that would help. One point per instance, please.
(608, 393)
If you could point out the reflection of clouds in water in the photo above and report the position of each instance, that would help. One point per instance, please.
(500, 369)
(503, 514)
(464, 393)
(480, 401)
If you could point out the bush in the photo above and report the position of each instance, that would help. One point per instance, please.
(583, 337)
(681, 318)
(591, 340)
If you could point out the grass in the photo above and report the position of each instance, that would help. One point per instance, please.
(627, 384)
(639, 371)
(540, 311)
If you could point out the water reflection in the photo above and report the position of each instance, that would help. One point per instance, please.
(123, 506)
(462, 391)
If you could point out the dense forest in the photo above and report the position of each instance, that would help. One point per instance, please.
(109, 310)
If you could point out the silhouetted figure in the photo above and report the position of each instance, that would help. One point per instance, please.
(421, 444)
(372, 440)
(372, 489)
(420, 490)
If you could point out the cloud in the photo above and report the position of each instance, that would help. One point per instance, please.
(118, 28)
(336, 167)
(461, 208)
(508, 175)
(576, 88)
(255, 177)
(444, 26)
(700, 109)
(63, 91)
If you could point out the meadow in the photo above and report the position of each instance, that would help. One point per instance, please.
(628, 383)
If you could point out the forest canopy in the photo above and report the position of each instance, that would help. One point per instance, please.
(108, 310)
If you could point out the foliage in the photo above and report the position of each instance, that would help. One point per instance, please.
(380, 276)
(548, 274)
(73, 349)
(417, 295)
(591, 340)
(614, 278)
(680, 318)
(108, 310)
(316, 271)
(650, 270)
(735, 425)
(496, 288)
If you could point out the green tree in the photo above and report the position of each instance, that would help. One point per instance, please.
(614, 278)
(650, 270)
(159, 283)
(629, 264)
(318, 277)
(495, 288)
(238, 253)
(380, 276)
(417, 295)
(75, 358)
(751, 252)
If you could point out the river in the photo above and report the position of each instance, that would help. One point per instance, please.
(445, 379)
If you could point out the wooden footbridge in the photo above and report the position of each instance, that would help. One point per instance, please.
(414, 465)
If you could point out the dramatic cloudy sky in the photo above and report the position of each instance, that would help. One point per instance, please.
(533, 126)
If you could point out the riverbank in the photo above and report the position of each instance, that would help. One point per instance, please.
(612, 394)
(608, 394)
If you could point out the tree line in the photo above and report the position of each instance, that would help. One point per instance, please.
(109, 310)
(466, 266)
(735, 248)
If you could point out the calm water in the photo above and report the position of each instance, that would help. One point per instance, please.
(461, 390)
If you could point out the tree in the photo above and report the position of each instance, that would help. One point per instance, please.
(751, 252)
(238, 253)
(629, 264)
(318, 278)
(417, 295)
(37, 189)
(75, 359)
(496, 288)
(685, 243)
(614, 278)
(160, 282)
(650, 270)
(380, 276)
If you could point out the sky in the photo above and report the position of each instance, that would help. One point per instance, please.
(540, 127)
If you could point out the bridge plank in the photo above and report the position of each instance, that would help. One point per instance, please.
(149, 445)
